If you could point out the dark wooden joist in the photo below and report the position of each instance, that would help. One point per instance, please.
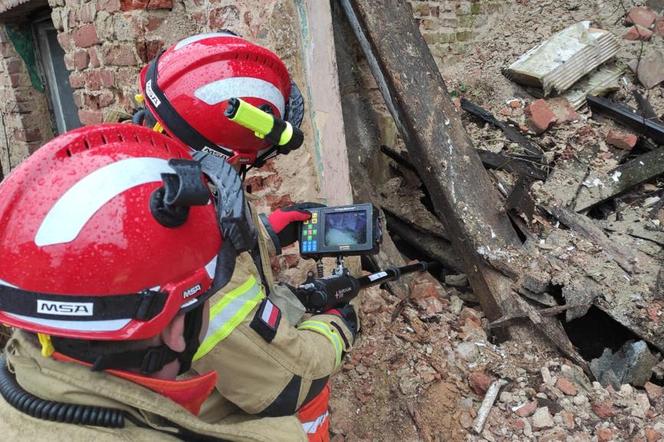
(431, 246)
(362, 137)
(645, 107)
(465, 198)
(510, 132)
(629, 117)
(588, 229)
(489, 159)
(463, 195)
(510, 164)
(623, 178)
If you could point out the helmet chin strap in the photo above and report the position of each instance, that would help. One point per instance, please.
(147, 361)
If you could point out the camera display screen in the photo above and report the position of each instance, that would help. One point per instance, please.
(345, 228)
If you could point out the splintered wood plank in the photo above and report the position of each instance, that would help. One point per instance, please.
(621, 179)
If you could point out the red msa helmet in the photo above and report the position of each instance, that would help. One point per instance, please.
(187, 89)
(106, 233)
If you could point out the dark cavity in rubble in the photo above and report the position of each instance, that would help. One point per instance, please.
(595, 331)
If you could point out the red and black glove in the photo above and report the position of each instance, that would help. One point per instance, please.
(348, 314)
(283, 224)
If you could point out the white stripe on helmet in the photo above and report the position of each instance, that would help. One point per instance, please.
(194, 38)
(211, 267)
(77, 205)
(5, 283)
(95, 326)
(241, 87)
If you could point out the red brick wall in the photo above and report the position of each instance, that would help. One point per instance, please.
(24, 122)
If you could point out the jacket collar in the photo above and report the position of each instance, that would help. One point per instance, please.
(190, 393)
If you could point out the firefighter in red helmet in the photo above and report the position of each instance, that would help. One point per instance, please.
(110, 250)
(186, 90)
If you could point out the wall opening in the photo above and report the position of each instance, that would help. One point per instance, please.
(51, 60)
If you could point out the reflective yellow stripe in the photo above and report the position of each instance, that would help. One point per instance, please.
(330, 333)
(229, 312)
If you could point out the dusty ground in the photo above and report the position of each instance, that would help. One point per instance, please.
(423, 375)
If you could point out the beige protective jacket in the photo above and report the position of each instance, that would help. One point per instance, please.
(262, 371)
(74, 383)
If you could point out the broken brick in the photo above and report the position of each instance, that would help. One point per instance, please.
(659, 26)
(128, 5)
(638, 33)
(604, 435)
(621, 140)
(604, 410)
(426, 296)
(540, 116)
(563, 111)
(642, 16)
(479, 382)
(568, 419)
(527, 409)
(160, 4)
(652, 435)
(566, 386)
(653, 391)
(519, 424)
(108, 5)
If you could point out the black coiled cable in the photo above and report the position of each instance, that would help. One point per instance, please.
(55, 411)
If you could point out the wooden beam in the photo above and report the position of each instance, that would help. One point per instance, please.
(627, 116)
(431, 246)
(362, 138)
(621, 179)
(416, 96)
(433, 134)
(463, 195)
(587, 228)
(511, 133)
(323, 103)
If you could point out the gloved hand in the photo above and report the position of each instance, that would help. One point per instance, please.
(285, 222)
(348, 314)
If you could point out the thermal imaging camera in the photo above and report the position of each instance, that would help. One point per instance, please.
(341, 231)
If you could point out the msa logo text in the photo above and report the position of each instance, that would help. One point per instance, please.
(192, 291)
(151, 95)
(64, 308)
(216, 153)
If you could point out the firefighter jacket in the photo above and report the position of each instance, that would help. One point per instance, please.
(265, 364)
(151, 416)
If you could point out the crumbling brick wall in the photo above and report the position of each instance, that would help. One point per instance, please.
(108, 41)
(22, 107)
(449, 26)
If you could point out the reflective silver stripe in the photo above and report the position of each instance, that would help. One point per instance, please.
(218, 322)
(5, 283)
(211, 267)
(199, 37)
(241, 87)
(100, 326)
(77, 205)
(312, 426)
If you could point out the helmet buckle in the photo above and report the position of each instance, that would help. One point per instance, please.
(170, 203)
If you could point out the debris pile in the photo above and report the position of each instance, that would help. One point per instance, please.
(573, 142)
